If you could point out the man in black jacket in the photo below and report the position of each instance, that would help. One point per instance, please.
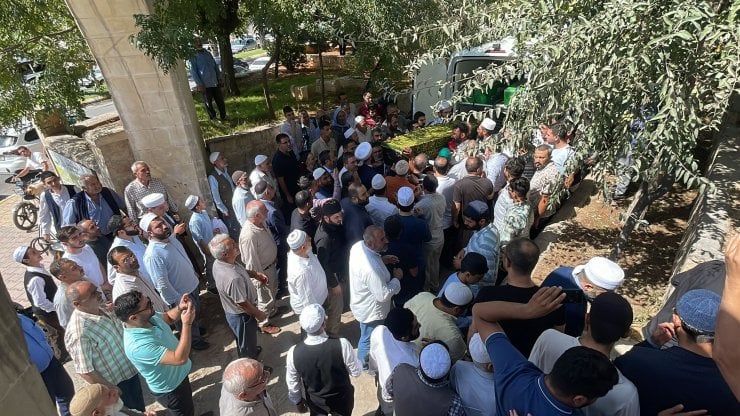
(331, 250)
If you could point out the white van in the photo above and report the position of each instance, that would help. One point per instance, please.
(428, 92)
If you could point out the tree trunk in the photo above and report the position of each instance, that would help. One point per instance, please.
(637, 209)
(321, 71)
(277, 51)
(227, 64)
(265, 84)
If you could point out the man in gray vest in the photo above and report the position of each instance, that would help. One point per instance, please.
(323, 366)
(222, 188)
(426, 390)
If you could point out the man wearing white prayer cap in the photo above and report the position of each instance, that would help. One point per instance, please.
(306, 277)
(171, 272)
(222, 189)
(597, 276)
(363, 131)
(426, 390)
(157, 204)
(378, 205)
(262, 172)
(322, 366)
(486, 128)
(438, 316)
(364, 170)
(473, 381)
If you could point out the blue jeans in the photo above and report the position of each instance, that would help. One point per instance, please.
(131, 394)
(363, 346)
(245, 329)
(59, 385)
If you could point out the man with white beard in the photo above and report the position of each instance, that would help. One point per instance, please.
(100, 400)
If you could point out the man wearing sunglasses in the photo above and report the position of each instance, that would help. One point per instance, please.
(244, 389)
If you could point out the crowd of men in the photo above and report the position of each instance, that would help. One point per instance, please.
(334, 223)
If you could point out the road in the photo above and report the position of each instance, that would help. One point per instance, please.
(91, 110)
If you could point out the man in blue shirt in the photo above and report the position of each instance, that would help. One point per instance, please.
(161, 359)
(56, 379)
(579, 377)
(207, 77)
(201, 229)
(597, 276)
(171, 271)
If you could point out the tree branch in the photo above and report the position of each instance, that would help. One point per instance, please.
(36, 39)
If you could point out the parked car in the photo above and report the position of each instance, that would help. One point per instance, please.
(243, 44)
(23, 134)
(92, 80)
(258, 64)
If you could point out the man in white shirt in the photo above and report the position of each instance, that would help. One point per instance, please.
(322, 366)
(67, 272)
(126, 234)
(75, 249)
(242, 195)
(392, 344)
(378, 205)
(371, 285)
(35, 162)
(292, 128)
(473, 381)
(608, 321)
(51, 204)
(306, 277)
(127, 267)
(262, 172)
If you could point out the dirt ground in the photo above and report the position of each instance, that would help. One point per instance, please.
(647, 258)
(647, 261)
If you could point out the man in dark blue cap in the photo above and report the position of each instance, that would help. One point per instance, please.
(685, 374)
(484, 240)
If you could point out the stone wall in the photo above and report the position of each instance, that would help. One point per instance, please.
(111, 148)
(22, 391)
(716, 211)
(240, 149)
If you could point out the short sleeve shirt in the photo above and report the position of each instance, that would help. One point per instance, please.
(471, 188)
(234, 286)
(146, 347)
(519, 384)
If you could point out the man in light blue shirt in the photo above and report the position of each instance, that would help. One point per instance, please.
(96, 203)
(161, 359)
(207, 77)
(201, 229)
(171, 271)
(473, 381)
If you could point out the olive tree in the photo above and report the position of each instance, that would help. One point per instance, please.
(41, 34)
(601, 65)
(167, 35)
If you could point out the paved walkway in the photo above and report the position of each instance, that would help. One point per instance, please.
(10, 238)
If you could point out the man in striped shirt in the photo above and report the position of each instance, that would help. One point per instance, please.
(484, 240)
(94, 339)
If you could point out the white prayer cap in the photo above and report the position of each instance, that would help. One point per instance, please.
(146, 220)
(359, 119)
(444, 105)
(153, 200)
(312, 317)
(212, 158)
(488, 124)
(378, 182)
(259, 159)
(602, 272)
(319, 172)
(20, 253)
(458, 294)
(363, 151)
(296, 238)
(405, 196)
(478, 350)
(350, 131)
(402, 167)
(191, 202)
(435, 361)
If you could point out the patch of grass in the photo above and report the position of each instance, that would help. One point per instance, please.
(254, 53)
(249, 110)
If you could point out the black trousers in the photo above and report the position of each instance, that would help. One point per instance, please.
(179, 402)
(214, 94)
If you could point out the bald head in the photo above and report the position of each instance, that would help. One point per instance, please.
(244, 378)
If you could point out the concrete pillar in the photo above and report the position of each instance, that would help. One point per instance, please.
(22, 392)
(156, 110)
